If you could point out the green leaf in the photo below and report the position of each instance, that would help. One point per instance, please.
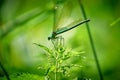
(115, 22)
(44, 47)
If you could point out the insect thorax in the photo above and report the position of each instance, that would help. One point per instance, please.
(52, 36)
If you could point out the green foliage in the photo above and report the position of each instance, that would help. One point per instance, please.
(115, 22)
(62, 61)
(23, 76)
(23, 22)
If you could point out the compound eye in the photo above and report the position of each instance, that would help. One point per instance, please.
(49, 38)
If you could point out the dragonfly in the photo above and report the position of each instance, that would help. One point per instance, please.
(62, 13)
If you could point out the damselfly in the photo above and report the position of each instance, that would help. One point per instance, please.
(62, 12)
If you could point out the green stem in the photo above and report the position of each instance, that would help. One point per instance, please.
(56, 70)
(5, 72)
(56, 64)
(91, 41)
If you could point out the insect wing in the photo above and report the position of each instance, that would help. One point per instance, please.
(62, 14)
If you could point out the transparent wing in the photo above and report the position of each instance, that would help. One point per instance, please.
(63, 12)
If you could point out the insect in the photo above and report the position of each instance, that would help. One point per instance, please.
(62, 13)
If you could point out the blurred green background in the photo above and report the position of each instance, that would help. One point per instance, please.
(24, 22)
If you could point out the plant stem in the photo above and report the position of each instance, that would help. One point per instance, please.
(91, 41)
(56, 70)
(5, 72)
